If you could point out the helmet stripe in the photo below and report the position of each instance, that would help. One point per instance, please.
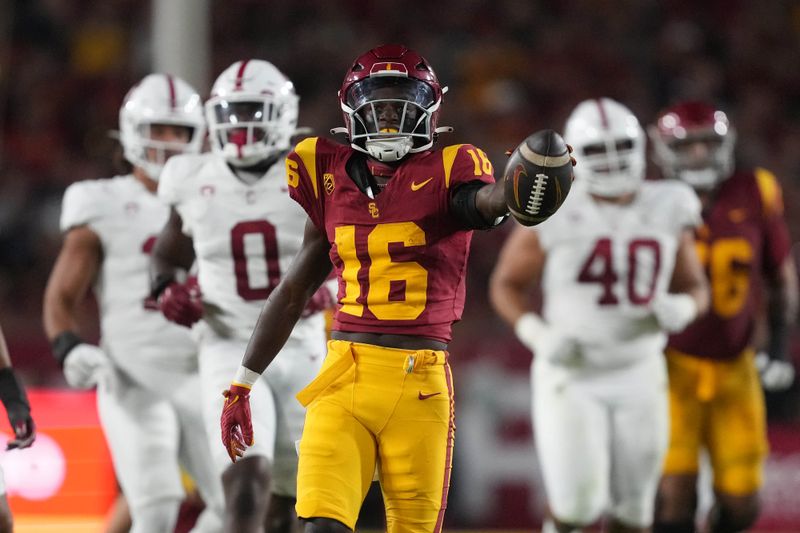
(172, 98)
(603, 116)
(240, 75)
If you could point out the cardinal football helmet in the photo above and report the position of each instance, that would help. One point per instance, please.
(609, 145)
(391, 100)
(694, 142)
(252, 112)
(159, 99)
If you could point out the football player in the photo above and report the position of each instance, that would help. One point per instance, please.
(394, 214)
(14, 399)
(230, 212)
(715, 400)
(617, 269)
(145, 368)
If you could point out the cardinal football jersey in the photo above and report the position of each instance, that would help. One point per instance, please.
(400, 257)
(245, 236)
(606, 262)
(127, 218)
(743, 240)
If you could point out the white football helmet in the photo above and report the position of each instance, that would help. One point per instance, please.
(609, 146)
(159, 99)
(252, 112)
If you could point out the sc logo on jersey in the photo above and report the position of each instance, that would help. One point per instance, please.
(328, 183)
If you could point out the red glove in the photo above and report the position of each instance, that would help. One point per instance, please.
(321, 300)
(236, 422)
(181, 303)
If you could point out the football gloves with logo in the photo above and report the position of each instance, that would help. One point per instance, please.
(18, 409)
(236, 421)
(776, 374)
(182, 302)
(674, 312)
(546, 341)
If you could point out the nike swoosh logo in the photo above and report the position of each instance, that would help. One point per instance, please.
(417, 186)
(228, 405)
(426, 396)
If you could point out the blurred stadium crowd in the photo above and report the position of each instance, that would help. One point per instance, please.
(513, 66)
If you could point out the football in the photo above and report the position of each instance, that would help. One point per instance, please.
(537, 177)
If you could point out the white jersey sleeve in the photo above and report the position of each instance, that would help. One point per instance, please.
(176, 182)
(82, 204)
(684, 204)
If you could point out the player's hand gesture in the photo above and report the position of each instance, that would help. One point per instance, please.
(776, 374)
(83, 366)
(236, 422)
(182, 303)
(24, 429)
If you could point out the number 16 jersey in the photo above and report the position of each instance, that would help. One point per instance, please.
(400, 257)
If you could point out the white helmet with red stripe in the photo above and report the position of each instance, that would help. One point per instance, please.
(252, 112)
(609, 146)
(159, 99)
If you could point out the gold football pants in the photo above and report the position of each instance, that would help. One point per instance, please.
(371, 405)
(719, 406)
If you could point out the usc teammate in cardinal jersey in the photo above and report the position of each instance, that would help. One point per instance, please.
(716, 402)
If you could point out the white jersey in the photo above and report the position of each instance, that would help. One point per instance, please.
(606, 262)
(245, 236)
(127, 219)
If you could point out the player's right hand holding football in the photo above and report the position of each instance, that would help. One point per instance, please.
(236, 421)
(545, 341)
(181, 302)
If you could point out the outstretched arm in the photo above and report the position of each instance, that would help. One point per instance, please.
(284, 306)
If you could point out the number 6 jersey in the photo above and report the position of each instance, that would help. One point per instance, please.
(400, 257)
(245, 235)
(606, 262)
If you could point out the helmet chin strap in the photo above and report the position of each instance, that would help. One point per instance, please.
(393, 149)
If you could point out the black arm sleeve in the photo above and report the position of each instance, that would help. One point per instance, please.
(462, 204)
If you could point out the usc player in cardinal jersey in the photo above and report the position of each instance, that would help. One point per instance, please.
(715, 399)
(394, 216)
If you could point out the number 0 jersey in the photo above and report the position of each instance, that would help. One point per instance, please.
(606, 262)
(401, 257)
(245, 236)
(126, 217)
(744, 238)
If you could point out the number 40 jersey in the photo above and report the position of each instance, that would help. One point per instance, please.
(605, 264)
(245, 236)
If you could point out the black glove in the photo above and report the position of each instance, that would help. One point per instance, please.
(18, 409)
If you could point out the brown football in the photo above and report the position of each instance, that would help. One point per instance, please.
(538, 176)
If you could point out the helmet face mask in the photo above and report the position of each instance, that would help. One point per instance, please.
(390, 100)
(252, 113)
(161, 116)
(609, 145)
(694, 142)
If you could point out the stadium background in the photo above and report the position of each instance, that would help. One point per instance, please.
(513, 66)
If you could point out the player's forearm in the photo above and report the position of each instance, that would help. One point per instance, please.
(172, 253)
(490, 201)
(782, 310)
(59, 311)
(278, 317)
(700, 294)
(508, 300)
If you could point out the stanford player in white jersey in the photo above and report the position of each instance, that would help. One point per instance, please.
(145, 369)
(618, 271)
(231, 213)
